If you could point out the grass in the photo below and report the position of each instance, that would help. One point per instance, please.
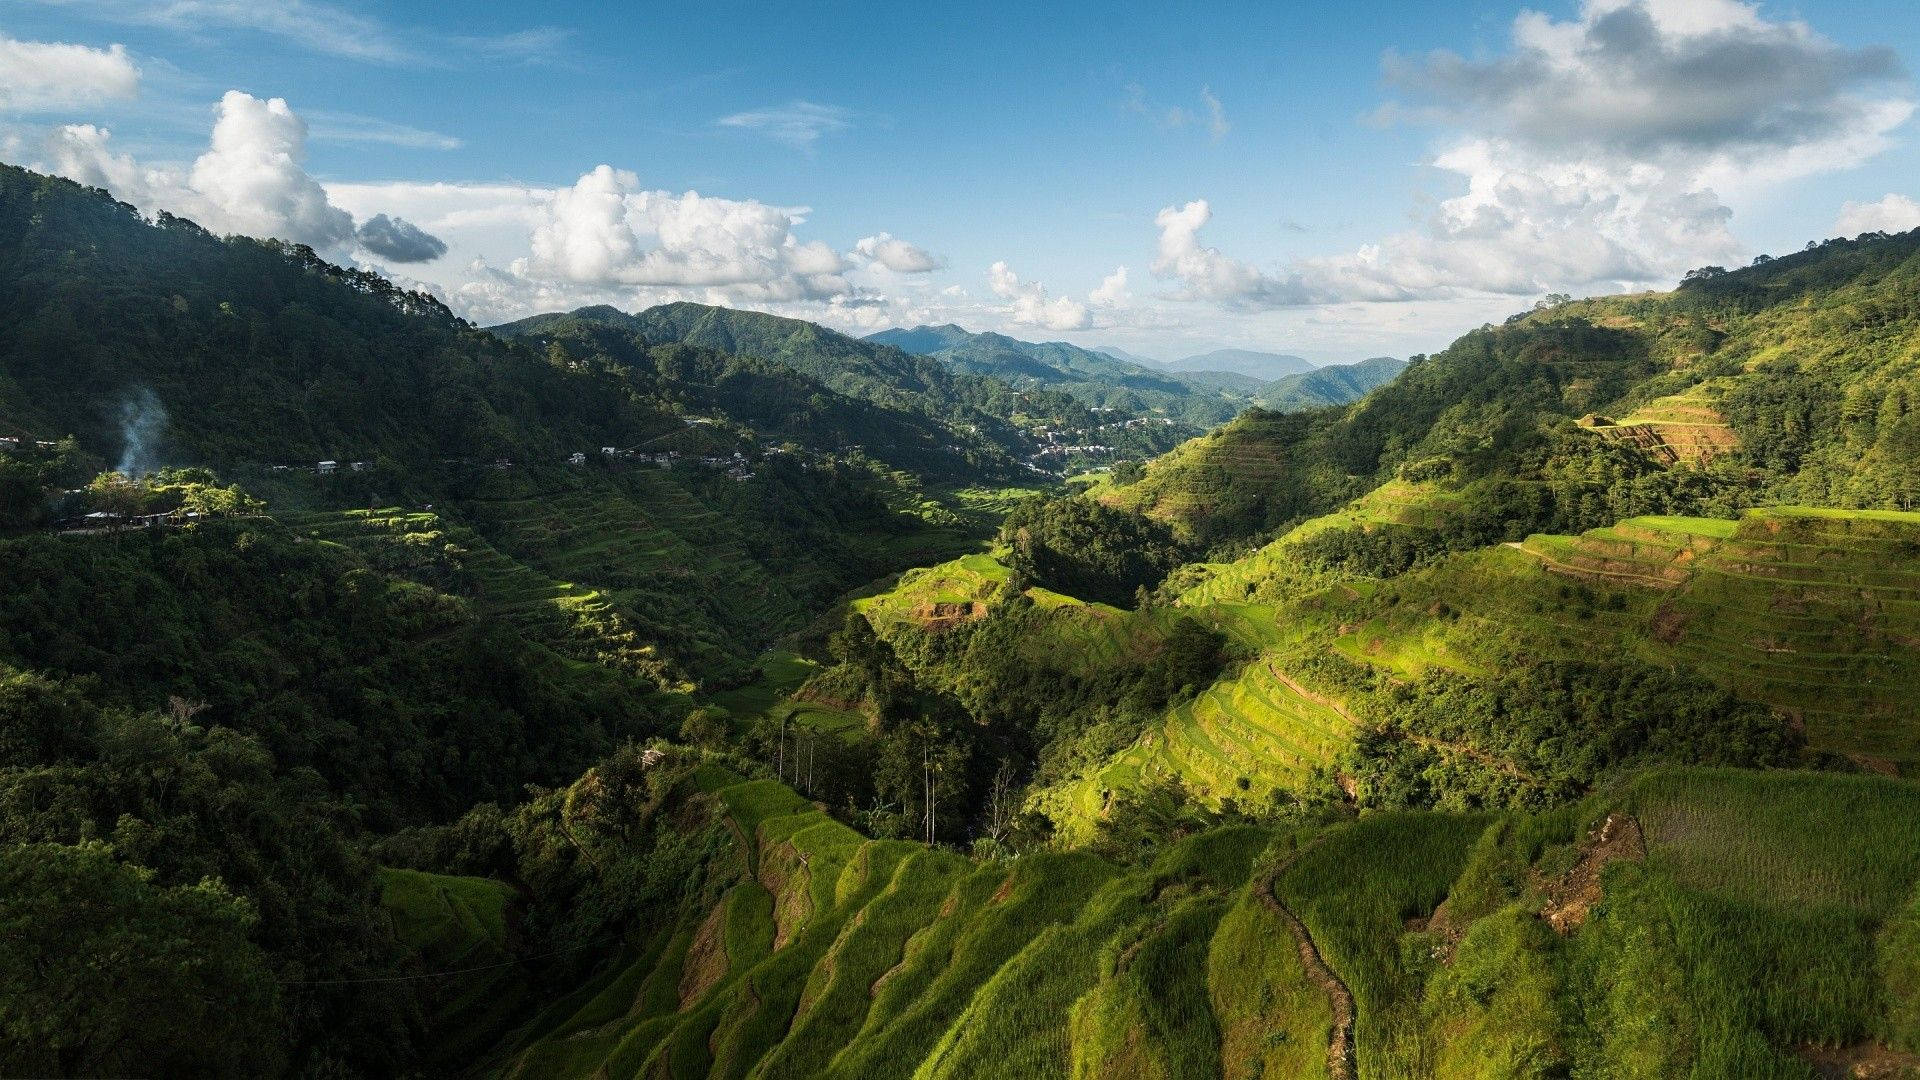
(1355, 891)
(1772, 910)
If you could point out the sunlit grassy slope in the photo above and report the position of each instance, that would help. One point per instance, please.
(814, 952)
(1813, 612)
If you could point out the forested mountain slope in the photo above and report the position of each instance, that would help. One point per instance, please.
(1788, 381)
(1092, 377)
(1335, 384)
(157, 343)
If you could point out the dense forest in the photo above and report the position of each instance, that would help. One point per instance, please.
(698, 692)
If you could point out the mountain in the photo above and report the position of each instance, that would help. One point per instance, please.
(1227, 382)
(1676, 394)
(1132, 358)
(922, 340)
(1335, 384)
(1546, 711)
(1095, 378)
(1264, 366)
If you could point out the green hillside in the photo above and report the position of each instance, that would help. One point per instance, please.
(705, 693)
(1786, 382)
(1095, 378)
(1627, 928)
(1336, 384)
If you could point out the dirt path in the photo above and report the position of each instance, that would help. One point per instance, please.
(1318, 699)
(1555, 566)
(1340, 1059)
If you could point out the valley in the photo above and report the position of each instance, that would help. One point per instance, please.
(942, 704)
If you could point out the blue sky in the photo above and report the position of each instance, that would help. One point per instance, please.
(1291, 177)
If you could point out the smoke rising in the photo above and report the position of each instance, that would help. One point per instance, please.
(142, 419)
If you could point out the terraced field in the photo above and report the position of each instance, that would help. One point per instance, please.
(585, 623)
(811, 951)
(1241, 739)
(660, 540)
(824, 954)
(1678, 428)
(1815, 612)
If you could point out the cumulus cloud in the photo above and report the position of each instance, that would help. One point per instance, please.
(896, 254)
(41, 75)
(1890, 214)
(399, 240)
(605, 230)
(251, 180)
(1654, 79)
(1031, 305)
(1112, 290)
(1598, 153)
(798, 124)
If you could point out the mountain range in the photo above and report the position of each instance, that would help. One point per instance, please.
(1200, 390)
(696, 692)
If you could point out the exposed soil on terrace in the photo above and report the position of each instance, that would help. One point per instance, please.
(1574, 893)
(946, 616)
(1867, 1061)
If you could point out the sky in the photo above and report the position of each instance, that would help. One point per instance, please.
(1288, 177)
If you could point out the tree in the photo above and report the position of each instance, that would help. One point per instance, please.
(103, 973)
(705, 727)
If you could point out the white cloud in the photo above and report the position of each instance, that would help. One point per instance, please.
(1890, 214)
(1112, 290)
(799, 124)
(605, 231)
(42, 75)
(896, 254)
(1599, 153)
(332, 29)
(250, 181)
(1031, 306)
(251, 177)
(1217, 125)
(322, 27)
(1659, 80)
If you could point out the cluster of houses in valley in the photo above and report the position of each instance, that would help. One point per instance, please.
(325, 468)
(736, 464)
(22, 442)
(108, 521)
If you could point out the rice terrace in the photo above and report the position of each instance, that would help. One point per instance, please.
(947, 542)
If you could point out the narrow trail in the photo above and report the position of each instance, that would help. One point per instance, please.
(1340, 1058)
(1555, 566)
(1318, 699)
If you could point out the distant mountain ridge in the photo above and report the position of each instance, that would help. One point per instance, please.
(1336, 384)
(1261, 365)
(1130, 357)
(1096, 378)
